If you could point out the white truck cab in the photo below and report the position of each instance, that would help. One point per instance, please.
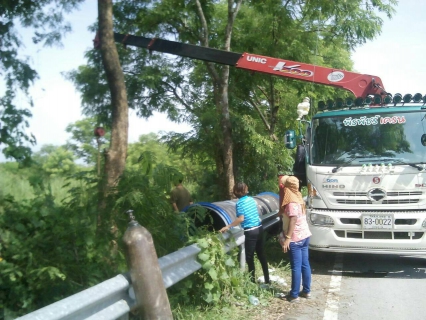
(366, 178)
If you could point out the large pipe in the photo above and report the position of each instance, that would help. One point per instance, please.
(152, 302)
(223, 212)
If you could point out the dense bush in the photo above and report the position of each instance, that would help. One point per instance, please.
(54, 241)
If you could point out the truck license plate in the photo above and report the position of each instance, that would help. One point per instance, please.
(377, 221)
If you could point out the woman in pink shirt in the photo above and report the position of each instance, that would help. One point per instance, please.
(296, 243)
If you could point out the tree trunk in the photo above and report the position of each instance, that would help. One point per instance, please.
(226, 169)
(115, 157)
(228, 145)
(220, 85)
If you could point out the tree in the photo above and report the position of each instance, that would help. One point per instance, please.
(219, 75)
(220, 78)
(55, 160)
(115, 156)
(151, 151)
(83, 143)
(46, 17)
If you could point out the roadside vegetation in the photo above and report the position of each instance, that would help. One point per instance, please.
(53, 244)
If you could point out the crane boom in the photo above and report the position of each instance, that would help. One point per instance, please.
(361, 85)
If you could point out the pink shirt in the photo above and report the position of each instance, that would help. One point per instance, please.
(301, 229)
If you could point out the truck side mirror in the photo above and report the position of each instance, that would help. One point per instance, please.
(423, 140)
(290, 139)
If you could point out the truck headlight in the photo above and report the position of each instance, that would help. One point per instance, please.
(321, 219)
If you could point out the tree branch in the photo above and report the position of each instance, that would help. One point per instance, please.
(204, 36)
(262, 116)
(263, 92)
(177, 96)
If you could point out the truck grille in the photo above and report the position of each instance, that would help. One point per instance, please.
(389, 194)
(383, 235)
(392, 198)
(399, 201)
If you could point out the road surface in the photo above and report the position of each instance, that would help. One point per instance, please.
(364, 287)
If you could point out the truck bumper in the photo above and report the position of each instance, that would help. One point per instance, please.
(346, 235)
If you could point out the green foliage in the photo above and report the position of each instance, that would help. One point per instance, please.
(83, 142)
(220, 289)
(44, 249)
(259, 159)
(26, 183)
(147, 195)
(52, 249)
(13, 183)
(55, 161)
(91, 83)
(150, 150)
(152, 155)
(49, 248)
(47, 20)
(220, 281)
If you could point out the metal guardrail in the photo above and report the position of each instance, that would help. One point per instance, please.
(114, 298)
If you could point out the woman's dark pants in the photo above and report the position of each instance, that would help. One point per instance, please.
(254, 242)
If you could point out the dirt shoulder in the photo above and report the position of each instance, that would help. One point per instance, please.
(306, 309)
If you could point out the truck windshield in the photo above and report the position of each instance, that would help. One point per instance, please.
(354, 140)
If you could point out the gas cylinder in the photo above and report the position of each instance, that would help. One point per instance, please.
(147, 280)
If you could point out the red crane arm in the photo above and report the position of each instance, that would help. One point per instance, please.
(360, 85)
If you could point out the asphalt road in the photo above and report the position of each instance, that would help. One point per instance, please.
(382, 287)
(365, 287)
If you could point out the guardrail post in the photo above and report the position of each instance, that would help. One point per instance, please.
(151, 296)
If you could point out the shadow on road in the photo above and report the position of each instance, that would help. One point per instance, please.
(369, 265)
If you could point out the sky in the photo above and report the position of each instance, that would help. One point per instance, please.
(396, 56)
